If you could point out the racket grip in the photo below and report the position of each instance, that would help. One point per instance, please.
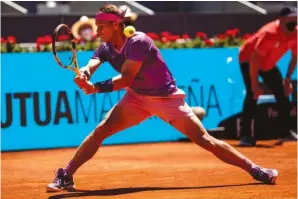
(77, 71)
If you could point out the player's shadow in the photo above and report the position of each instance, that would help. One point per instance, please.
(256, 146)
(128, 190)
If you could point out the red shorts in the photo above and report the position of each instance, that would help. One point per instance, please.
(167, 108)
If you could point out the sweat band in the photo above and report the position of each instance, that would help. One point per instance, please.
(103, 16)
(104, 86)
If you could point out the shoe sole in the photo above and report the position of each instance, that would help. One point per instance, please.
(274, 178)
(67, 188)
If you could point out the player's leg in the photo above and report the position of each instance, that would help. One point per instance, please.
(248, 111)
(176, 112)
(193, 128)
(116, 120)
(273, 80)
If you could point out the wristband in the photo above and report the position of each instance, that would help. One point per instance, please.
(105, 86)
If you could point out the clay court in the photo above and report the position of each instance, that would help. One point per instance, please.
(161, 170)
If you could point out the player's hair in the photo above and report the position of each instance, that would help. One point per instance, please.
(110, 8)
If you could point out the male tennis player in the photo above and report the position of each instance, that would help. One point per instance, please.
(258, 56)
(150, 90)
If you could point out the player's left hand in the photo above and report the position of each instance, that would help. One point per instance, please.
(85, 85)
(288, 87)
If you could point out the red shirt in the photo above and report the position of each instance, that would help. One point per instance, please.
(271, 43)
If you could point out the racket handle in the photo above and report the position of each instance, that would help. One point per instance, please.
(77, 71)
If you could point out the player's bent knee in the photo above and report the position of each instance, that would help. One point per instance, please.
(106, 127)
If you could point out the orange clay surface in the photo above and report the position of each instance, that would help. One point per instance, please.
(161, 170)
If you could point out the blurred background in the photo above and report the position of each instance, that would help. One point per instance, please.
(178, 17)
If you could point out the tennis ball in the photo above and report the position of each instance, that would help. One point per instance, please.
(129, 31)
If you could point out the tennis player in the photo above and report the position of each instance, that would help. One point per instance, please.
(150, 90)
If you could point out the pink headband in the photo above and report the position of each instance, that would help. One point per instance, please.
(103, 16)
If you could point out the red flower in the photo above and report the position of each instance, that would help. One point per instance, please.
(201, 35)
(163, 39)
(209, 42)
(185, 36)
(221, 36)
(173, 37)
(3, 41)
(44, 40)
(11, 39)
(165, 34)
(153, 35)
(246, 36)
(79, 40)
(232, 32)
(62, 37)
(38, 42)
(47, 39)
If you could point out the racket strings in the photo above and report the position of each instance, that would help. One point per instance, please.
(64, 48)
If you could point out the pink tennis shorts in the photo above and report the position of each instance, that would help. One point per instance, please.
(167, 108)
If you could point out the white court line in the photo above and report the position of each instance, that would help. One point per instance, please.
(141, 7)
(254, 7)
(16, 6)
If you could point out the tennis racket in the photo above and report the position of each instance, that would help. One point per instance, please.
(64, 48)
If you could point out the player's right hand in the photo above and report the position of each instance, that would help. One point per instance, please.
(84, 84)
(81, 81)
(85, 71)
